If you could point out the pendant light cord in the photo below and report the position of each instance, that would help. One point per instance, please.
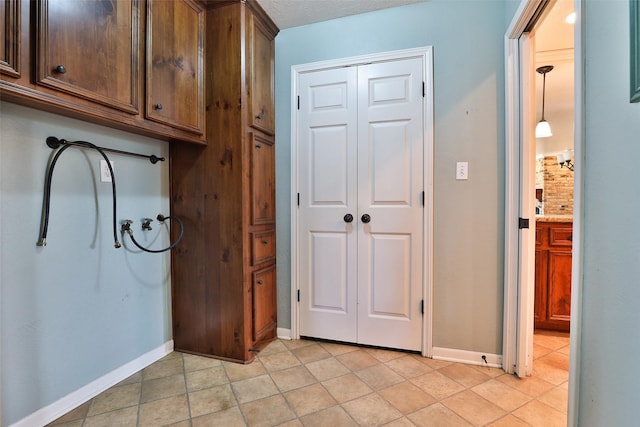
(544, 84)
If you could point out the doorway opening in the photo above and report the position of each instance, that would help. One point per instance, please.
(544, 255)
(554, 168)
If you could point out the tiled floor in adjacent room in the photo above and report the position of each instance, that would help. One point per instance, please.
(308, 383)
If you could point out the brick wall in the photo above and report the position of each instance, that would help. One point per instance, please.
(557, 183)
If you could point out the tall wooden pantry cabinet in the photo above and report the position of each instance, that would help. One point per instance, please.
(224, 271)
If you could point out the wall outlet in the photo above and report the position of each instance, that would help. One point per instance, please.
(105, 174)
(462, 171)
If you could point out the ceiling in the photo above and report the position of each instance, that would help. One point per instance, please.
(554, 46)
(554, 33)
(294, 13)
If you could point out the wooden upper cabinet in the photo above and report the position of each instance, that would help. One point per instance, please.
(90, 49)
(175, 64)
(260, 75)
(10, 37)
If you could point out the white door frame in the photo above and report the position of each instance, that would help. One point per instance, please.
(426, 53)
(517, 310)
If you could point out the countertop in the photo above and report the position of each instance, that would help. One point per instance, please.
(554, 218)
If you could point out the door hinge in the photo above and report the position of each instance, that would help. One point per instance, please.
(298, 199)
(423, 90)
(423, 199)
(523, 223)
(298, 102)
(422, 307)
(298, 295)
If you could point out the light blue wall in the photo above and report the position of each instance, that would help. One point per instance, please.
(468, 45)
(78, 308)
(610, 346)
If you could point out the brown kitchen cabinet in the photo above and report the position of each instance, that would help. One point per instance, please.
(552, 308)
(224, 271)
(86, 59)
(90, 49)
(175, 64)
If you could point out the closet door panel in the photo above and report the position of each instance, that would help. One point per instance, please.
(328, 193)
(390, 185)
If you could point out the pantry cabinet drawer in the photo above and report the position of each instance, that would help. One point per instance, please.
(264, 246)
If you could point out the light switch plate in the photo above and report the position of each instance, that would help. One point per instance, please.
(105, 174)
(462, 171)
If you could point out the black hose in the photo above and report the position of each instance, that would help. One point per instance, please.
(47, 202)
(127, 227)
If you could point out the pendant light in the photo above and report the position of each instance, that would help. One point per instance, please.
(543, 130)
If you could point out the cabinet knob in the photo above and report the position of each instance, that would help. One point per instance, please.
(260, 282)
(366, 218)
(260, 115)
(158, 106)
(61, 69)
(348, 218)
(265, 241)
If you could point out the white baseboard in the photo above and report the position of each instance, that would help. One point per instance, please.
(284, 334)
(74, 399)
(470, 357)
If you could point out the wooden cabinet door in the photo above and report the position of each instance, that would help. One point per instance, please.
(175, 64)
(264, 302)
(559, 286)
(263, 186)
(90, 49)
(552, 308)
(10, 38)
(260, 76)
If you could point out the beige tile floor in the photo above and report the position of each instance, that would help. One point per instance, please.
(308, 383)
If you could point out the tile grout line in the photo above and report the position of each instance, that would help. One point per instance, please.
(555, 369)
(186, 389)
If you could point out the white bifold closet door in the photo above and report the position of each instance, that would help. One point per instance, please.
(361, 165)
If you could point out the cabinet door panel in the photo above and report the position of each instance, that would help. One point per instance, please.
(10, 37)
(175, 64)
(260, 47)
(560, 236)
(559, 286)
(90, 49)
(263, 169)
(553, 276)
(264, 302)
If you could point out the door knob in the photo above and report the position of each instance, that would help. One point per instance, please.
(348, 218)
(366, 218)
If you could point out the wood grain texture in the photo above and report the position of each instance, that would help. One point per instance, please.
(95, 43)
(217, 189)
(10, 31)
(552, 307)
(101, 45)
(175, 64)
